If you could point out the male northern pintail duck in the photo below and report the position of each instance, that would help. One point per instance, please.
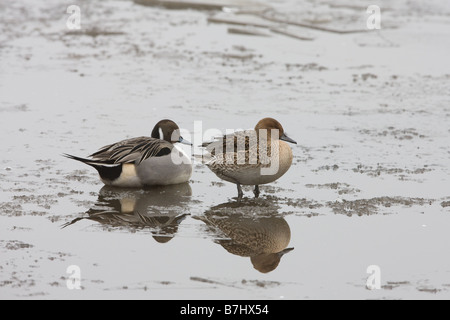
(133, 209)
(143, 161)
(251, 157)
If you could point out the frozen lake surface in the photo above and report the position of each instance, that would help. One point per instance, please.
(369, 184)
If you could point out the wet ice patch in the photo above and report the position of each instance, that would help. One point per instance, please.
(400, 173)
(392, 132)
(379, 205)
(261, 283)
(15, 245)
(445, 204)
(341, 188)
(16, 108)
(11, 209)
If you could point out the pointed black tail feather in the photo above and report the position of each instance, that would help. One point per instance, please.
(65, 225)
(91, 162)
(108, 169)
(87, 161)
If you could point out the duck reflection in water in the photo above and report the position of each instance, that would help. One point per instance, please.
(159, 209)
(251, 229)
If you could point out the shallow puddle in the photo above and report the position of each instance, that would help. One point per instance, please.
(368, 185)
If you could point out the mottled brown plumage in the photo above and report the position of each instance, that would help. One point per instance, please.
(244, 157)
(264, 239)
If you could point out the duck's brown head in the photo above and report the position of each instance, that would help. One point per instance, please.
(270, 124)
(169, 131)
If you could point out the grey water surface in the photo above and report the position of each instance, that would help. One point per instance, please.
(369, 184)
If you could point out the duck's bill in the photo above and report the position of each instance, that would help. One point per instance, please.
(184, 141)
(287, 250)
(287, 139)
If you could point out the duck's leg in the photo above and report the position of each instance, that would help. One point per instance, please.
(240, 193)
(256, 191)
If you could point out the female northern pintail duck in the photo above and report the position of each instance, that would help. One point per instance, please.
(264, 239)
(251, 157)
(143, 161)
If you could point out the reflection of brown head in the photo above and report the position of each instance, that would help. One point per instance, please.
(162, 239)
(268, 262)
(263, 239)
(167, 227)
